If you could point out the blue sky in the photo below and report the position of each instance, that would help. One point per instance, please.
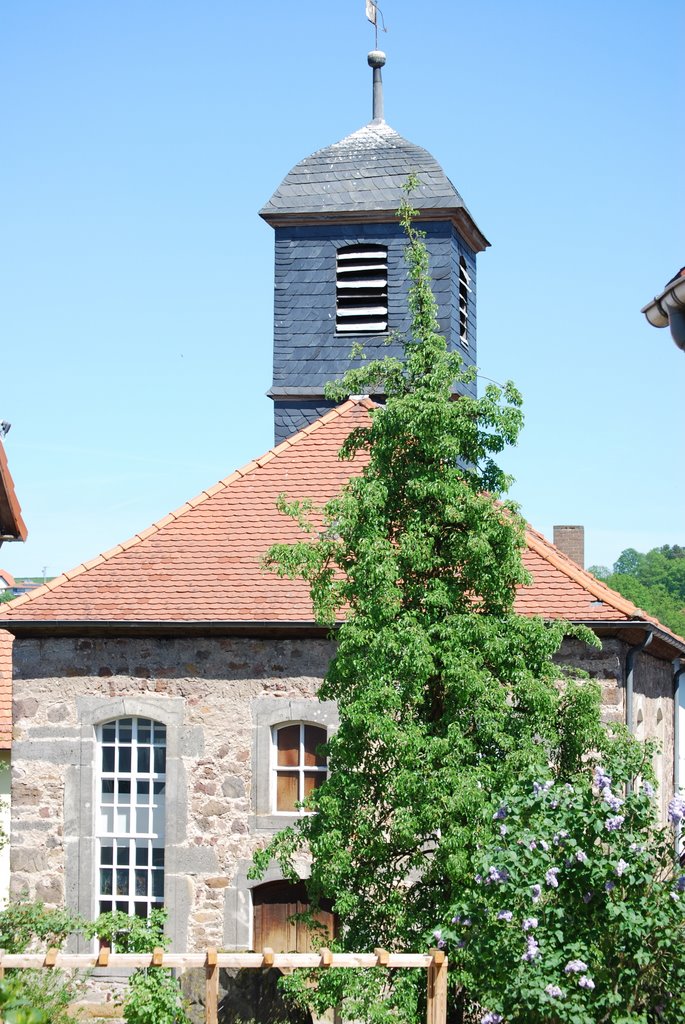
(139, 142)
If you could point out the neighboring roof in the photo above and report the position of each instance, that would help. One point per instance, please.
(365, 172)
(12, 526)
(200, 565)
(7, 578)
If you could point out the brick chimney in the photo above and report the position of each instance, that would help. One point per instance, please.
(571, 540)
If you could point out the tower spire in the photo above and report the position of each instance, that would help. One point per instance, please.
(376, 61)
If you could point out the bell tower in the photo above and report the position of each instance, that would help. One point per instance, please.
(340, 275)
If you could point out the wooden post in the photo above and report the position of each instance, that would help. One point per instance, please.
(437, 988)
(157, 956)
(382, 955)
(51, 957)
(211, 987)
(268, 955)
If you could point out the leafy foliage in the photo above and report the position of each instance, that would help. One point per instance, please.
(34, 996)
(445, 694)
(25, 922)
(576, 912)
(15, 1006)
(154, 995)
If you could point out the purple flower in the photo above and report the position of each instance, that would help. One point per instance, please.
(461, 943)
(680, 884)
(648, 788)
(532, 845)
(503, 830)
(559, 836)
(504, 915)
(491, 1018)
(542, 787)
(497, 875)
(532, 950)
(636, 847)
(569, 787)
(544, 845)
(581, 857)
(609, 885)
(674, 896)
(614, 824)
(602, 780)
(456, 919)
(437, 934)
(587, 897)
(554, 992)
(466, 922)
(575, 967)
(586, 982)
(529, 923)
(551, 878)
(501, 813)
(621, 866)
(535, 892)
(676, 810)
(615, 802)
(554, 804)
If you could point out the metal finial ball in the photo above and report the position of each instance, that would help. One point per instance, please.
(376, 59)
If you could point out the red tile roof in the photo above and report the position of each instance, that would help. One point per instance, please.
(12, 526)
(201, 563)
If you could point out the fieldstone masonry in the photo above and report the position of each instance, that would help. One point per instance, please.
(209, 693)
(219, 698)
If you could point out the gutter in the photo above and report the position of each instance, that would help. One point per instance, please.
(174, 628)
(678, 670)
(630, 671)
(668, 308)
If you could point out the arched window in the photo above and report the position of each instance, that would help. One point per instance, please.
(129, 826)
(361, 289)
(297, 766)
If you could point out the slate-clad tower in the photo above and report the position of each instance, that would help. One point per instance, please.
(340, 275)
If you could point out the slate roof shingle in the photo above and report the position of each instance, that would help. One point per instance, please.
(365, 171)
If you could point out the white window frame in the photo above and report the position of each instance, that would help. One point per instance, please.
(138, 853)
(300, 769)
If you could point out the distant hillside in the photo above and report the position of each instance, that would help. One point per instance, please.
(654, 581)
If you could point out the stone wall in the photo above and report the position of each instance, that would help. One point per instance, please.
(219, 699)
(653, 706)
(214, 697)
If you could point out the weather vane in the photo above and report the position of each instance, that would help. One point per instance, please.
(372, 13)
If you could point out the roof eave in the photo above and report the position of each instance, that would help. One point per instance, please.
(12, 526)
(458, 215)
(30, 628)
(675, 644)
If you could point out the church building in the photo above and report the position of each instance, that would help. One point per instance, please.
(165, 720)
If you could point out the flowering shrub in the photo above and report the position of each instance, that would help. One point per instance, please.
(576, 912)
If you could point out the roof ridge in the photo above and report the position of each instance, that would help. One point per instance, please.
(596, 587)
(209, 492)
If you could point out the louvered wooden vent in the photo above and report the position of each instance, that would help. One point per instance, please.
(464, 289)
(361, 288)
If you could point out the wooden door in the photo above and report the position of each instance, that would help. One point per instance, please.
(275, 904)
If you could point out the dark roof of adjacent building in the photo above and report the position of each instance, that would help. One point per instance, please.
(364, 173)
